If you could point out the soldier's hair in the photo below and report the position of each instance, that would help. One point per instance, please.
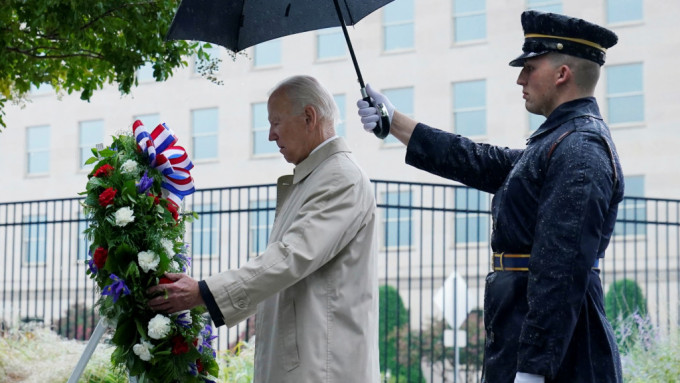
(305, 91)
(586, 73)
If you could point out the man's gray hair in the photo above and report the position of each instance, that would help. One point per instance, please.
(306, 90)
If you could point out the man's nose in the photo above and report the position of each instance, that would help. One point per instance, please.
(272, 135)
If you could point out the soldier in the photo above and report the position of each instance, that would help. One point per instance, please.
(554, 209)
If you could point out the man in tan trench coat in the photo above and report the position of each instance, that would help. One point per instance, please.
(314, 288)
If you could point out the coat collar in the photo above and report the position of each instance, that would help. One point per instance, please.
(569, 110)
(307, 166)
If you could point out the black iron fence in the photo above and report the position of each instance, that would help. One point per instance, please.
(433, 257)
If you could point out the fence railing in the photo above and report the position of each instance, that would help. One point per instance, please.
(433, 258)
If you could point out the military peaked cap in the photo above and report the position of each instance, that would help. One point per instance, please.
(550, 32)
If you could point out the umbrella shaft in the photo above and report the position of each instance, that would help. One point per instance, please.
(349, 43)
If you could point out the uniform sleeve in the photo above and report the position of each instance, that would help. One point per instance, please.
(457, 158)
(325, 224)
(572, 209)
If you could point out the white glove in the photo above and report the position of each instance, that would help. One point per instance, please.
(369, 115)
(523, 377)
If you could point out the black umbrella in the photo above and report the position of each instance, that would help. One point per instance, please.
(237, 25)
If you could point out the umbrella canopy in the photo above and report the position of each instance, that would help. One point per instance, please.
(237, 25)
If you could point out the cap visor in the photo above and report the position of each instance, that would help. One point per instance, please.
(519, 61)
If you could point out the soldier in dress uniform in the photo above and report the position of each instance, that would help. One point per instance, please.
(554, 209)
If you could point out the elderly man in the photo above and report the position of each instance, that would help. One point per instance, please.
(554, 209)
(315, 286)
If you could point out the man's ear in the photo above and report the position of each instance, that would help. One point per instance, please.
(310, 117)
(563, 75)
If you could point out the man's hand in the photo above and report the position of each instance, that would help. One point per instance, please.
(370, 115)
(182, 294)
(523, 377)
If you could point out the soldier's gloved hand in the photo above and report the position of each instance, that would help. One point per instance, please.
(369, 115)
(523, 377)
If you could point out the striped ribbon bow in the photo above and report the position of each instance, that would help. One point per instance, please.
(171, 160)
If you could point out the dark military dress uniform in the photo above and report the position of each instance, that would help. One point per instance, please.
(556, 201)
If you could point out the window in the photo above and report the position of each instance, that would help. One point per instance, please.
(330, 43)
(398, 25)
(34, 244)
(402, 99)
(469, 20)
(632, 209)
(625, 99)
(261, 220)
(209, 62)
(535, 121)
(205, 231)
(397, 222)
(621, 11)
(472, 225)
(340, 123)
(267, 53)
(554, 6)
(150, 121)
(204, 127)
(38, 149)
(260, 129)
(145, 73)
(469, 108)
(90, 134)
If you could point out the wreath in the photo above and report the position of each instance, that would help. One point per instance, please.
(133, 199)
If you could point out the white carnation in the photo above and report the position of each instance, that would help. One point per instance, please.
(159, 326)
(129, 167)
(143, 350)
(148, 260)
(168, 247)
(123, 216)
(174, 266)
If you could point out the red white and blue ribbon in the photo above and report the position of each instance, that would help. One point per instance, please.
(171, 160)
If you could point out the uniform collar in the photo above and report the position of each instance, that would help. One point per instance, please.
(586, 106)
(317, 156)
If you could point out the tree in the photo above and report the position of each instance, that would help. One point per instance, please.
(80, 45)
(397, 347)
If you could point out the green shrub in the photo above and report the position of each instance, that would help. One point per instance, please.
(624, 300)
(653, 357)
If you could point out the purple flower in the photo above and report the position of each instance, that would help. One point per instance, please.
(193, 369)
(207, 336)
(115, 289)
(184, 260)
(144, 183)
(184, 320)
(91, 265)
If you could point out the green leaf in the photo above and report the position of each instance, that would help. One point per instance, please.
(91, 160)
(125, 334)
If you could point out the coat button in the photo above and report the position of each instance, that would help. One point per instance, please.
(241, 303)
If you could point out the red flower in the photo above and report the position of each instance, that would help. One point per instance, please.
(179, 345)
(106, 198)
(104, 171)
(99, 257)
(199, 366)
(172, 208)
(165, 281)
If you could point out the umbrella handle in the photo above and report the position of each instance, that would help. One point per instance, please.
(382, 127)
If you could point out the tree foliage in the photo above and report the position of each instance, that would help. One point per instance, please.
(81, 45)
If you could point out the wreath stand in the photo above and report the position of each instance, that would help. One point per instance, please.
(89, 350)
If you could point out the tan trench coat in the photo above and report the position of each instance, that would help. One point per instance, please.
(315, 285)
